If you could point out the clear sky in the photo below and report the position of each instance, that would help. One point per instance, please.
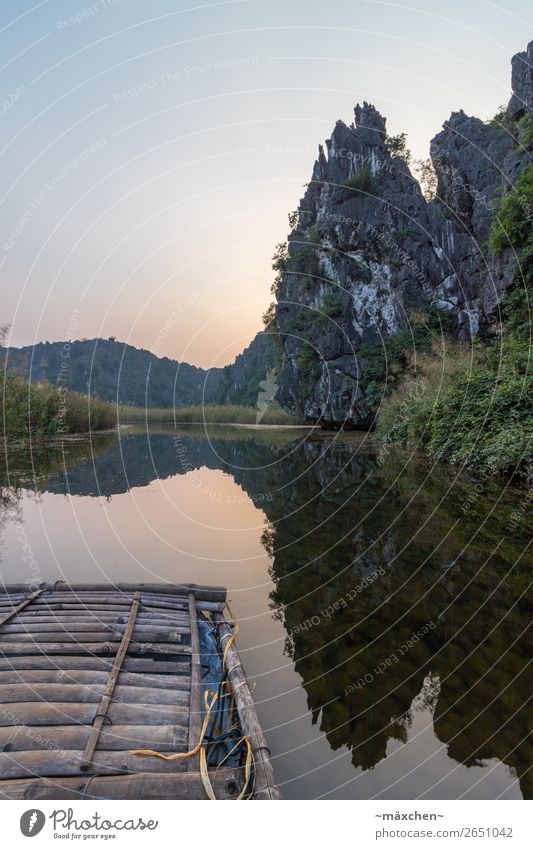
(151, 151)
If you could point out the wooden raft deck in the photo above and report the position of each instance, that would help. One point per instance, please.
(90, 672)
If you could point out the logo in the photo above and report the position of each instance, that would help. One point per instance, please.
(268, 388)
(32, 822)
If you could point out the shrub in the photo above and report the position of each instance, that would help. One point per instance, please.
(427, 177)
(304, 260)
(314, 234)
(279, 265)
(484, 419)
(514, 216)
(397, 146)
(362, 181)
(469, 407)
(270, 314)
(42, 409)
(331, 308)
(308, 358)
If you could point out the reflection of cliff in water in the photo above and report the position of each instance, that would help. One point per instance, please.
(386, 587)
(137, 459)
(386, 591)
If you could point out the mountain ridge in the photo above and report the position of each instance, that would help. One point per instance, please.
(118, 372)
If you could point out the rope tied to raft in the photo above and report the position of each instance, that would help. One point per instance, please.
(210, 699)
(181, 755)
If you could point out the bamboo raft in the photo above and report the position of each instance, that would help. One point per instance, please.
(90, 674)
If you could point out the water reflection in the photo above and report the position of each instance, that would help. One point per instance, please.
(402, 593)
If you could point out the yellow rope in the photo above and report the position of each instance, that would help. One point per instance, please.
(204, 773)
(206, 781)
(247, 771)
(178, 755)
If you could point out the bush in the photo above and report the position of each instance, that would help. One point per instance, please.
(331, 308)
(397, 146)
(427, 177)
(269, 315)
(484, 419)
(362, 181)
(513, 222)
(42, 409)
(308, 358)
(304, 260)
(472, 407)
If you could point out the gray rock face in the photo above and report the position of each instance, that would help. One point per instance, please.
(241, 382)
(521, 83)
(369, 253)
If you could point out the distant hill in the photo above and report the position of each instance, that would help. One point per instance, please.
(115, 371)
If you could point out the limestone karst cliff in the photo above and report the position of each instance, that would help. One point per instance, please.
(372, 262)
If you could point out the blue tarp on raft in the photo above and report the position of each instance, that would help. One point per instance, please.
(222, 735)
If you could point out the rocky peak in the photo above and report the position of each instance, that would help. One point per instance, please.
(521, 83)
(367, 117)
(369, 252)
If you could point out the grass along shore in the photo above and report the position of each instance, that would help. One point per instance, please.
(211, 413)
(40, 410)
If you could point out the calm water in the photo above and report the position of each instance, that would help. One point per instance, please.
(384, 607)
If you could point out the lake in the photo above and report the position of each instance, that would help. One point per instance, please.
(384, 602)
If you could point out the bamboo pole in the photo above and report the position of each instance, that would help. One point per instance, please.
(195, 708)
(265, 783)
(93, 677)
(88, 693)
(186, 785)
(22, 738)
(59, 662)
(15, 610)
(69, 713)
(110, 686)
(202, 593)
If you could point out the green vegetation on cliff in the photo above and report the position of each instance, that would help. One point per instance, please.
(476, 407)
